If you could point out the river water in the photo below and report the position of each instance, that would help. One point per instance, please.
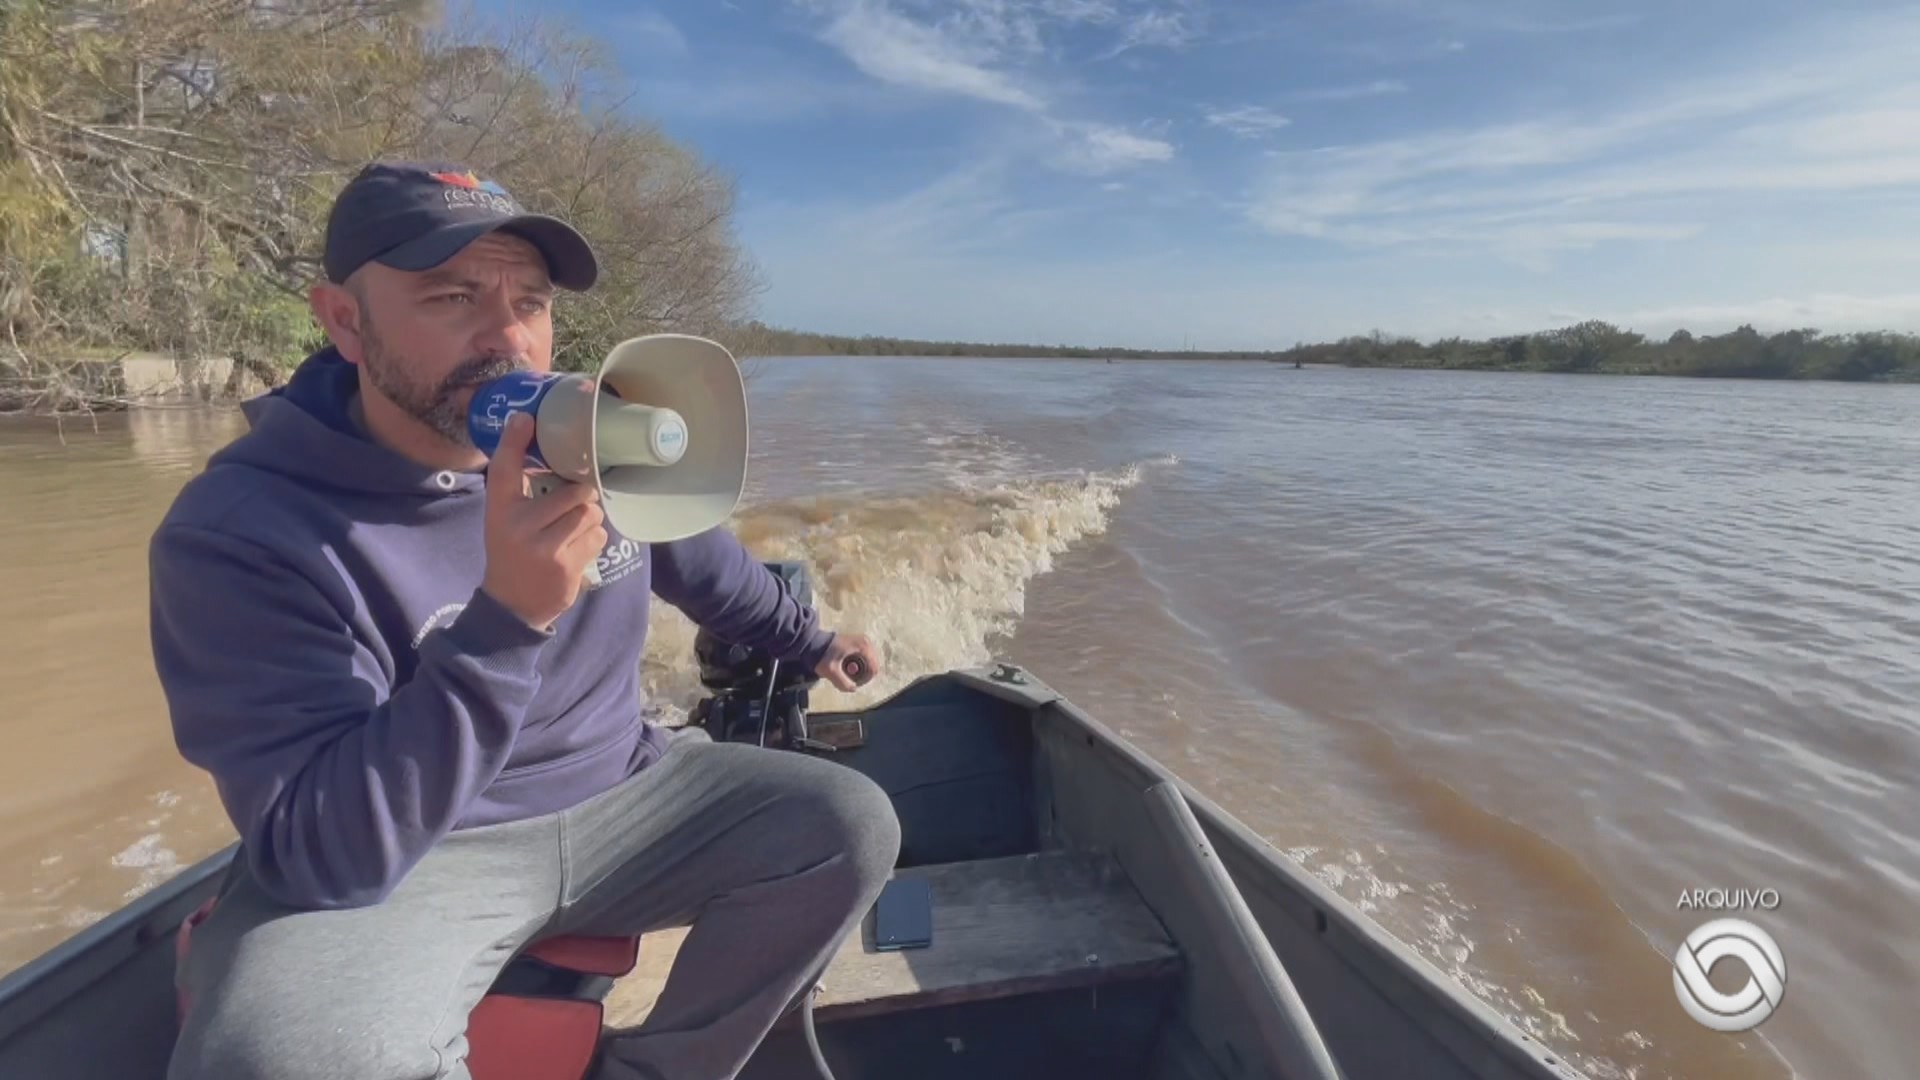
(1510, 661)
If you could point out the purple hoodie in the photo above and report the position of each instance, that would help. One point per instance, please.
(328, 656)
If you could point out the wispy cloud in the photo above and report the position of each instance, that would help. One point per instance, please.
(1837, 114)
(1247, 121)
(1165, 28)
(1832, 312)
(893, 48)
(653, 31)
(989, 168)
(990, 51)
(973, 211)
(1099, 149)
(1376, 88)
(936, 262)
(1395, 50)
(1502, 16)
(757, 95)
(970, 209)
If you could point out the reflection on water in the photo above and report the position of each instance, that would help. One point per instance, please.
(1508, 661)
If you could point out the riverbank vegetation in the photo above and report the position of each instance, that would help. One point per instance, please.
(1588, 347)
(166, 168)
(1602, 348)
(762, 340)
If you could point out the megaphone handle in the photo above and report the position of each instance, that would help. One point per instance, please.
(542, 483)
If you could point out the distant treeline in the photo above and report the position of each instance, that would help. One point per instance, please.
(1600, 347)
(758, 339)
(1588, 347)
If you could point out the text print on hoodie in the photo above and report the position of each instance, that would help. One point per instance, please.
(328, 656)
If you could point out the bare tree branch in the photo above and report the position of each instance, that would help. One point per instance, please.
(166, 168)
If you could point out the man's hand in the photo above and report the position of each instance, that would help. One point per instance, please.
(834, 666)
(537, 548)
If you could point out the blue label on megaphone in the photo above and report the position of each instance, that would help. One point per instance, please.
(494, 402)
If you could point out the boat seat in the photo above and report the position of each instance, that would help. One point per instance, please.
(542, 1018)
(1056, 920)
(587, 954)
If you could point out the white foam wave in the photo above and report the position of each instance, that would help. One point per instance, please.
(933, 579)
(152, 858)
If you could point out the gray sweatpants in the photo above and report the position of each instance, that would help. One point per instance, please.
(770, 857)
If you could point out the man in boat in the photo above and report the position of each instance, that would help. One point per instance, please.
(427, 730)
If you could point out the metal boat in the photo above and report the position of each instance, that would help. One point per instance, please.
(1092, 916)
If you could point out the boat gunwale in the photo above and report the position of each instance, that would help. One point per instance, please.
(1363, 944)
(105, 946)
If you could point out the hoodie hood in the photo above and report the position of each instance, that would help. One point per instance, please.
(305, 430)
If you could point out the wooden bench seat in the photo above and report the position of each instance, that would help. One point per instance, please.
(1055, 920)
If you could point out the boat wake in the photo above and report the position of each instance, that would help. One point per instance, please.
(934, 579)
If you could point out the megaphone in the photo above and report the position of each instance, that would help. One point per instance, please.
(661, 431)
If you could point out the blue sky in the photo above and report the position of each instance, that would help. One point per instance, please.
(1244, 174)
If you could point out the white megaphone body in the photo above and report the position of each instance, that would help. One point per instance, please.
(661, 432)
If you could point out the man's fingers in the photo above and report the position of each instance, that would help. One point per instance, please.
(571, 525)
(589, 544)
(584, 545)
(565, 503)
(519, 432)
(858, 666)
(506, 473)
(850, 651)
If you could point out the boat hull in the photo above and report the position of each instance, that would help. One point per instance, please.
(1277, 974)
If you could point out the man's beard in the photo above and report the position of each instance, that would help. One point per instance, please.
(433, 405)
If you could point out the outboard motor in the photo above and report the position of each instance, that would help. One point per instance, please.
(755, 698)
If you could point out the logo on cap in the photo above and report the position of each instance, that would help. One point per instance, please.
(466, 189)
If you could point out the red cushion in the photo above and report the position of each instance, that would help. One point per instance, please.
(516, 1038)
(591, 955)
(511, 1037)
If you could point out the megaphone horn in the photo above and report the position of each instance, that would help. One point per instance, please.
(661, 431)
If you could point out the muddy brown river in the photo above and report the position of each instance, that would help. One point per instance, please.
(1512, 662)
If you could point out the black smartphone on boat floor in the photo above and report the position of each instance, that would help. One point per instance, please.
(903, 916)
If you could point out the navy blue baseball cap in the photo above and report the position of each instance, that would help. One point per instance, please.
(417, 215)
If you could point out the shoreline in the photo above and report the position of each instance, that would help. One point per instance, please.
(79, 386)
(91, 385)
(1900, 379)
(1591, 347)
